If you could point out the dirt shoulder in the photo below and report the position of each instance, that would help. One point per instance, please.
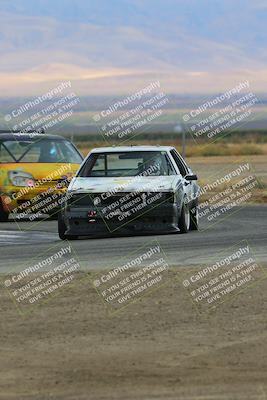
(157, 348)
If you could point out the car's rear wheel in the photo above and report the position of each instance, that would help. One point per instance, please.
(62, 229)
(3, 214)
(194, 218)
(184, 220)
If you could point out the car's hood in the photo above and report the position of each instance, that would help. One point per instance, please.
(127, 184)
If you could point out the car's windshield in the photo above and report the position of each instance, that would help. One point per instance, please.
(41, 151)
(131, 163)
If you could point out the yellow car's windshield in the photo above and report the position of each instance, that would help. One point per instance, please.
(41, 151)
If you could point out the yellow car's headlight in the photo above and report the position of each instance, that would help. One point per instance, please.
(20, 178)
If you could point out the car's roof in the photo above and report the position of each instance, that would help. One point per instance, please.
(115, 149)
(28, 136)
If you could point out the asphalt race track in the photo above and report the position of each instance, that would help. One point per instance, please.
(18, 243)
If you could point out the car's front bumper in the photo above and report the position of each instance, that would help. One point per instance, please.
(18, 199)
(81, 221)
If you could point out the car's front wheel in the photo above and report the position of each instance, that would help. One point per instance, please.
(194, 218)
(184, 220)
(62, 229)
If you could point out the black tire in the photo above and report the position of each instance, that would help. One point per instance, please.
(62, 229)
(184, 220)
(194, 218)
(3, 214)
(71, 237)
(54, 216)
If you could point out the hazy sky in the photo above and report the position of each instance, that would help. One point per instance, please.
(117, 46)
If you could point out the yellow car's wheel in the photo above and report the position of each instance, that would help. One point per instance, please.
(53, 216)
(3, 214)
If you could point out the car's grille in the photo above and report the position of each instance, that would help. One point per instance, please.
(105, 199)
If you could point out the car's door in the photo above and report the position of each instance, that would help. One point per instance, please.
(189, 186)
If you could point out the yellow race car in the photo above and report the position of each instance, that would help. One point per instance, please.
(35, 170)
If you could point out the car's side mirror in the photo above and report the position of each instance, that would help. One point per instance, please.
(191, 177)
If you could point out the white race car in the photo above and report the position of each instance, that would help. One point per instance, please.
(130, 189)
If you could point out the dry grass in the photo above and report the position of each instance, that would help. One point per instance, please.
(197, 150)
(226, 149)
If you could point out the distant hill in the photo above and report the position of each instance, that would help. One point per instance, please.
(105, 46)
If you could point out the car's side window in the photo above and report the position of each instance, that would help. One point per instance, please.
(180, 164)
(170, 167)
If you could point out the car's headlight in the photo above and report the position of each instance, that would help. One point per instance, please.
(20, 178)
